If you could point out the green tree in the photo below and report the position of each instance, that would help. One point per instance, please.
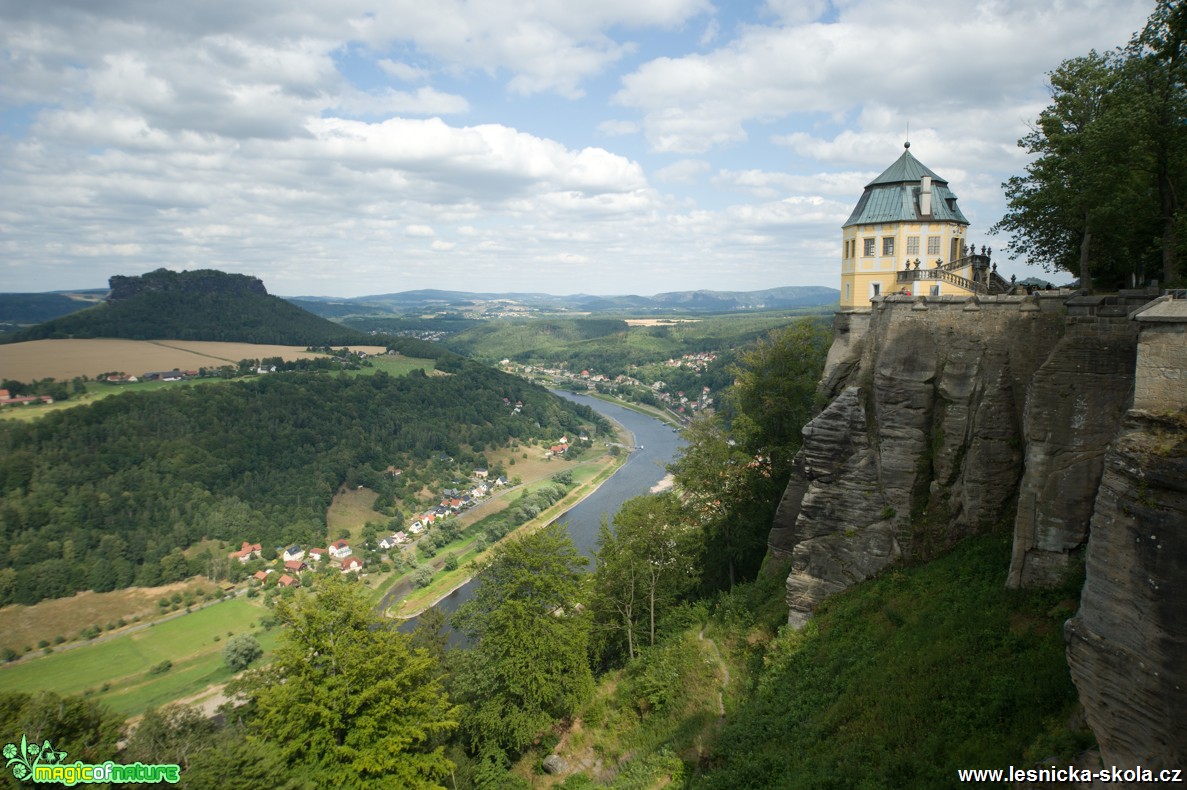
(172, 734)
(349, 699)
(721, 485)
(774, 392)
(86, 730)
(528, 664)
(644, 564)
(1156, 61)
(1063, 211)
(735, 465)
(240, 651)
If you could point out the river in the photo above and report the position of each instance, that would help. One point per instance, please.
(656, 445)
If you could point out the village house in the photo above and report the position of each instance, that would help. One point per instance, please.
(246, 553)
(391, 541)
(317, 554)
(262, 576)
(7, 399)
(295, 566)
(288, 581)
(293, 552)
(352, 565)
(340, 549)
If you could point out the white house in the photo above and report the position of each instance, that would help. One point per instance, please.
(294, 553)
(340, 549)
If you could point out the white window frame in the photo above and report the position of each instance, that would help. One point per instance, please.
(912, 245)
(869, 247)
(887, 246)
(933, 245)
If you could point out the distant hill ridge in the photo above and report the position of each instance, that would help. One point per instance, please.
(197, 305)
(701, 301)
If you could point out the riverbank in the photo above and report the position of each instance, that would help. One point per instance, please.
(415, 602)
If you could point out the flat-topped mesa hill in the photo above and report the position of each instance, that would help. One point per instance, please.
(198, 305)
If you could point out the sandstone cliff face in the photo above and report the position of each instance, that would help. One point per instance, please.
(948, 418)
(1075, 402)
(1126, 645)
(200, 281)
(922, 443)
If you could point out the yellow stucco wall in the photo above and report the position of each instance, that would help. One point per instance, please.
(860, 272)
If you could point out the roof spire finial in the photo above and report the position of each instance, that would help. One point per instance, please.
(907, 145)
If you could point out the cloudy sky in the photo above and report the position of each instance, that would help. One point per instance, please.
(350, 147)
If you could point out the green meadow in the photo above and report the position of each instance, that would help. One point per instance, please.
(117, 670)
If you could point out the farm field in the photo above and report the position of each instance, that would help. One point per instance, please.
(22, 626)
(121, 664)
(65, 359)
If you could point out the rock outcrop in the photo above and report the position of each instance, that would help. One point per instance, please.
(921, 444)
(1075, 402)
(1064, 420)
(199, 281)
(1127, 643)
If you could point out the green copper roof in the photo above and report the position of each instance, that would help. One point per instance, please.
(894, 196)
(906, 168)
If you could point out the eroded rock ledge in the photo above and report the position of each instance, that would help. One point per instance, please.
(1061, 419)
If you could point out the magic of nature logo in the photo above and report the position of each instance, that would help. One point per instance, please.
(43, 764)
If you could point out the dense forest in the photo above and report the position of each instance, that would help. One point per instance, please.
(107, 495)
(198, 305)
(34, 308)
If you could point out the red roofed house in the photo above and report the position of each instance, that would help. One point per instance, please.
(317, 554)
(295, 566)
(246, 552)
(352, 565)
(260, 576)
(288, 581)
(340, 549)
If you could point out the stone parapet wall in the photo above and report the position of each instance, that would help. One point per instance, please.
(1160, 384)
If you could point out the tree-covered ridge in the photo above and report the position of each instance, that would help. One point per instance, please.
(36, 307)
(107, 495)
(198, 305)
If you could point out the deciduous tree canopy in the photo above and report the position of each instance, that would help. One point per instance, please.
(348, 698)
(1101, 197)
(528, 664)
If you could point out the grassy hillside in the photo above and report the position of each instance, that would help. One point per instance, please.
(896, 683)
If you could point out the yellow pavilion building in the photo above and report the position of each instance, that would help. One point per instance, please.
(907, 236)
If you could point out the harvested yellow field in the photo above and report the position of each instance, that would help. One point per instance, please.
(22, 626)
(65, 359)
